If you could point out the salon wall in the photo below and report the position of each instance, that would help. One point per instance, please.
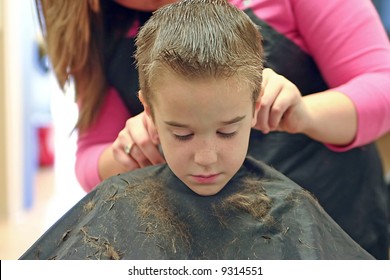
(3, 193)
(24, 106)
(31, 105)
(10, 111)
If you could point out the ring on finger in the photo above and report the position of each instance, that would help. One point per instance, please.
(128, 148)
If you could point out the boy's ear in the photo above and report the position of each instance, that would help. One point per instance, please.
(255, 112)
(146, 106)
(141, 97)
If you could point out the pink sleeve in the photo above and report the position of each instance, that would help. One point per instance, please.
(350, 46)
(91, 143)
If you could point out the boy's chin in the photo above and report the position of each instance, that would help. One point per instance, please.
(205, 190)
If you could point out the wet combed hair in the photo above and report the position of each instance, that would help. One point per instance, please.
(200, 39)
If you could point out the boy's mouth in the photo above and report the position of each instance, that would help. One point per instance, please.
(205, 178)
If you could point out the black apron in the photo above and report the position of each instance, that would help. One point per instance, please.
(150, 214)
(349, 185)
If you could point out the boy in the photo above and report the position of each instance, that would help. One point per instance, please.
(200, 69)
(200, 84)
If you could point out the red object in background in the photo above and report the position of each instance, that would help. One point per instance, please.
(46, 146)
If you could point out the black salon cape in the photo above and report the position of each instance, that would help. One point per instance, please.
(108, 224)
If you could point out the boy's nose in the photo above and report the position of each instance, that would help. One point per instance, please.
(206, 157)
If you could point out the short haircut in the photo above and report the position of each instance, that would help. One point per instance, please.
(200, 39)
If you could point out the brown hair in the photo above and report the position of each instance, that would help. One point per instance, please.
(200, 39)
(74, 51)
(80, 36)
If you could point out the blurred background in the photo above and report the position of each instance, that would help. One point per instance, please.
(37, 142)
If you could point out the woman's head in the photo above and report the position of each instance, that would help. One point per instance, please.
(199, 39)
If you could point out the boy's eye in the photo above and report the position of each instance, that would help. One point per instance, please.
(186, 137)
(183, 137)
(227, 135)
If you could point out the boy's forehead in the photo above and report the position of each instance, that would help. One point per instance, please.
(164, 80)
(173, 92)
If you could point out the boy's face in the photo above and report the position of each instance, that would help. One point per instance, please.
(204, 129)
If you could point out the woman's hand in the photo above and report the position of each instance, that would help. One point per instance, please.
(281, 105)
(329, 117)
(137, 143)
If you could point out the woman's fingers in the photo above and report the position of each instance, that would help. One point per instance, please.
(271, 88)
(143, 134)
(134, 146)
(278, 98)
(121, 152)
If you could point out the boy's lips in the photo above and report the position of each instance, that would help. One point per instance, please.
(205, 178)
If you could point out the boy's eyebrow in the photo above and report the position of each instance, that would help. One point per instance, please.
(235, 120)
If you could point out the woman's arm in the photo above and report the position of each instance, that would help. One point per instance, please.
(351, 48)
(100, 149)
(97, 140)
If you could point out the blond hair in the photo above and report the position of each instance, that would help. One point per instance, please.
(200, 39)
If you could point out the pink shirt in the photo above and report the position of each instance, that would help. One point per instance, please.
(345, 38)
